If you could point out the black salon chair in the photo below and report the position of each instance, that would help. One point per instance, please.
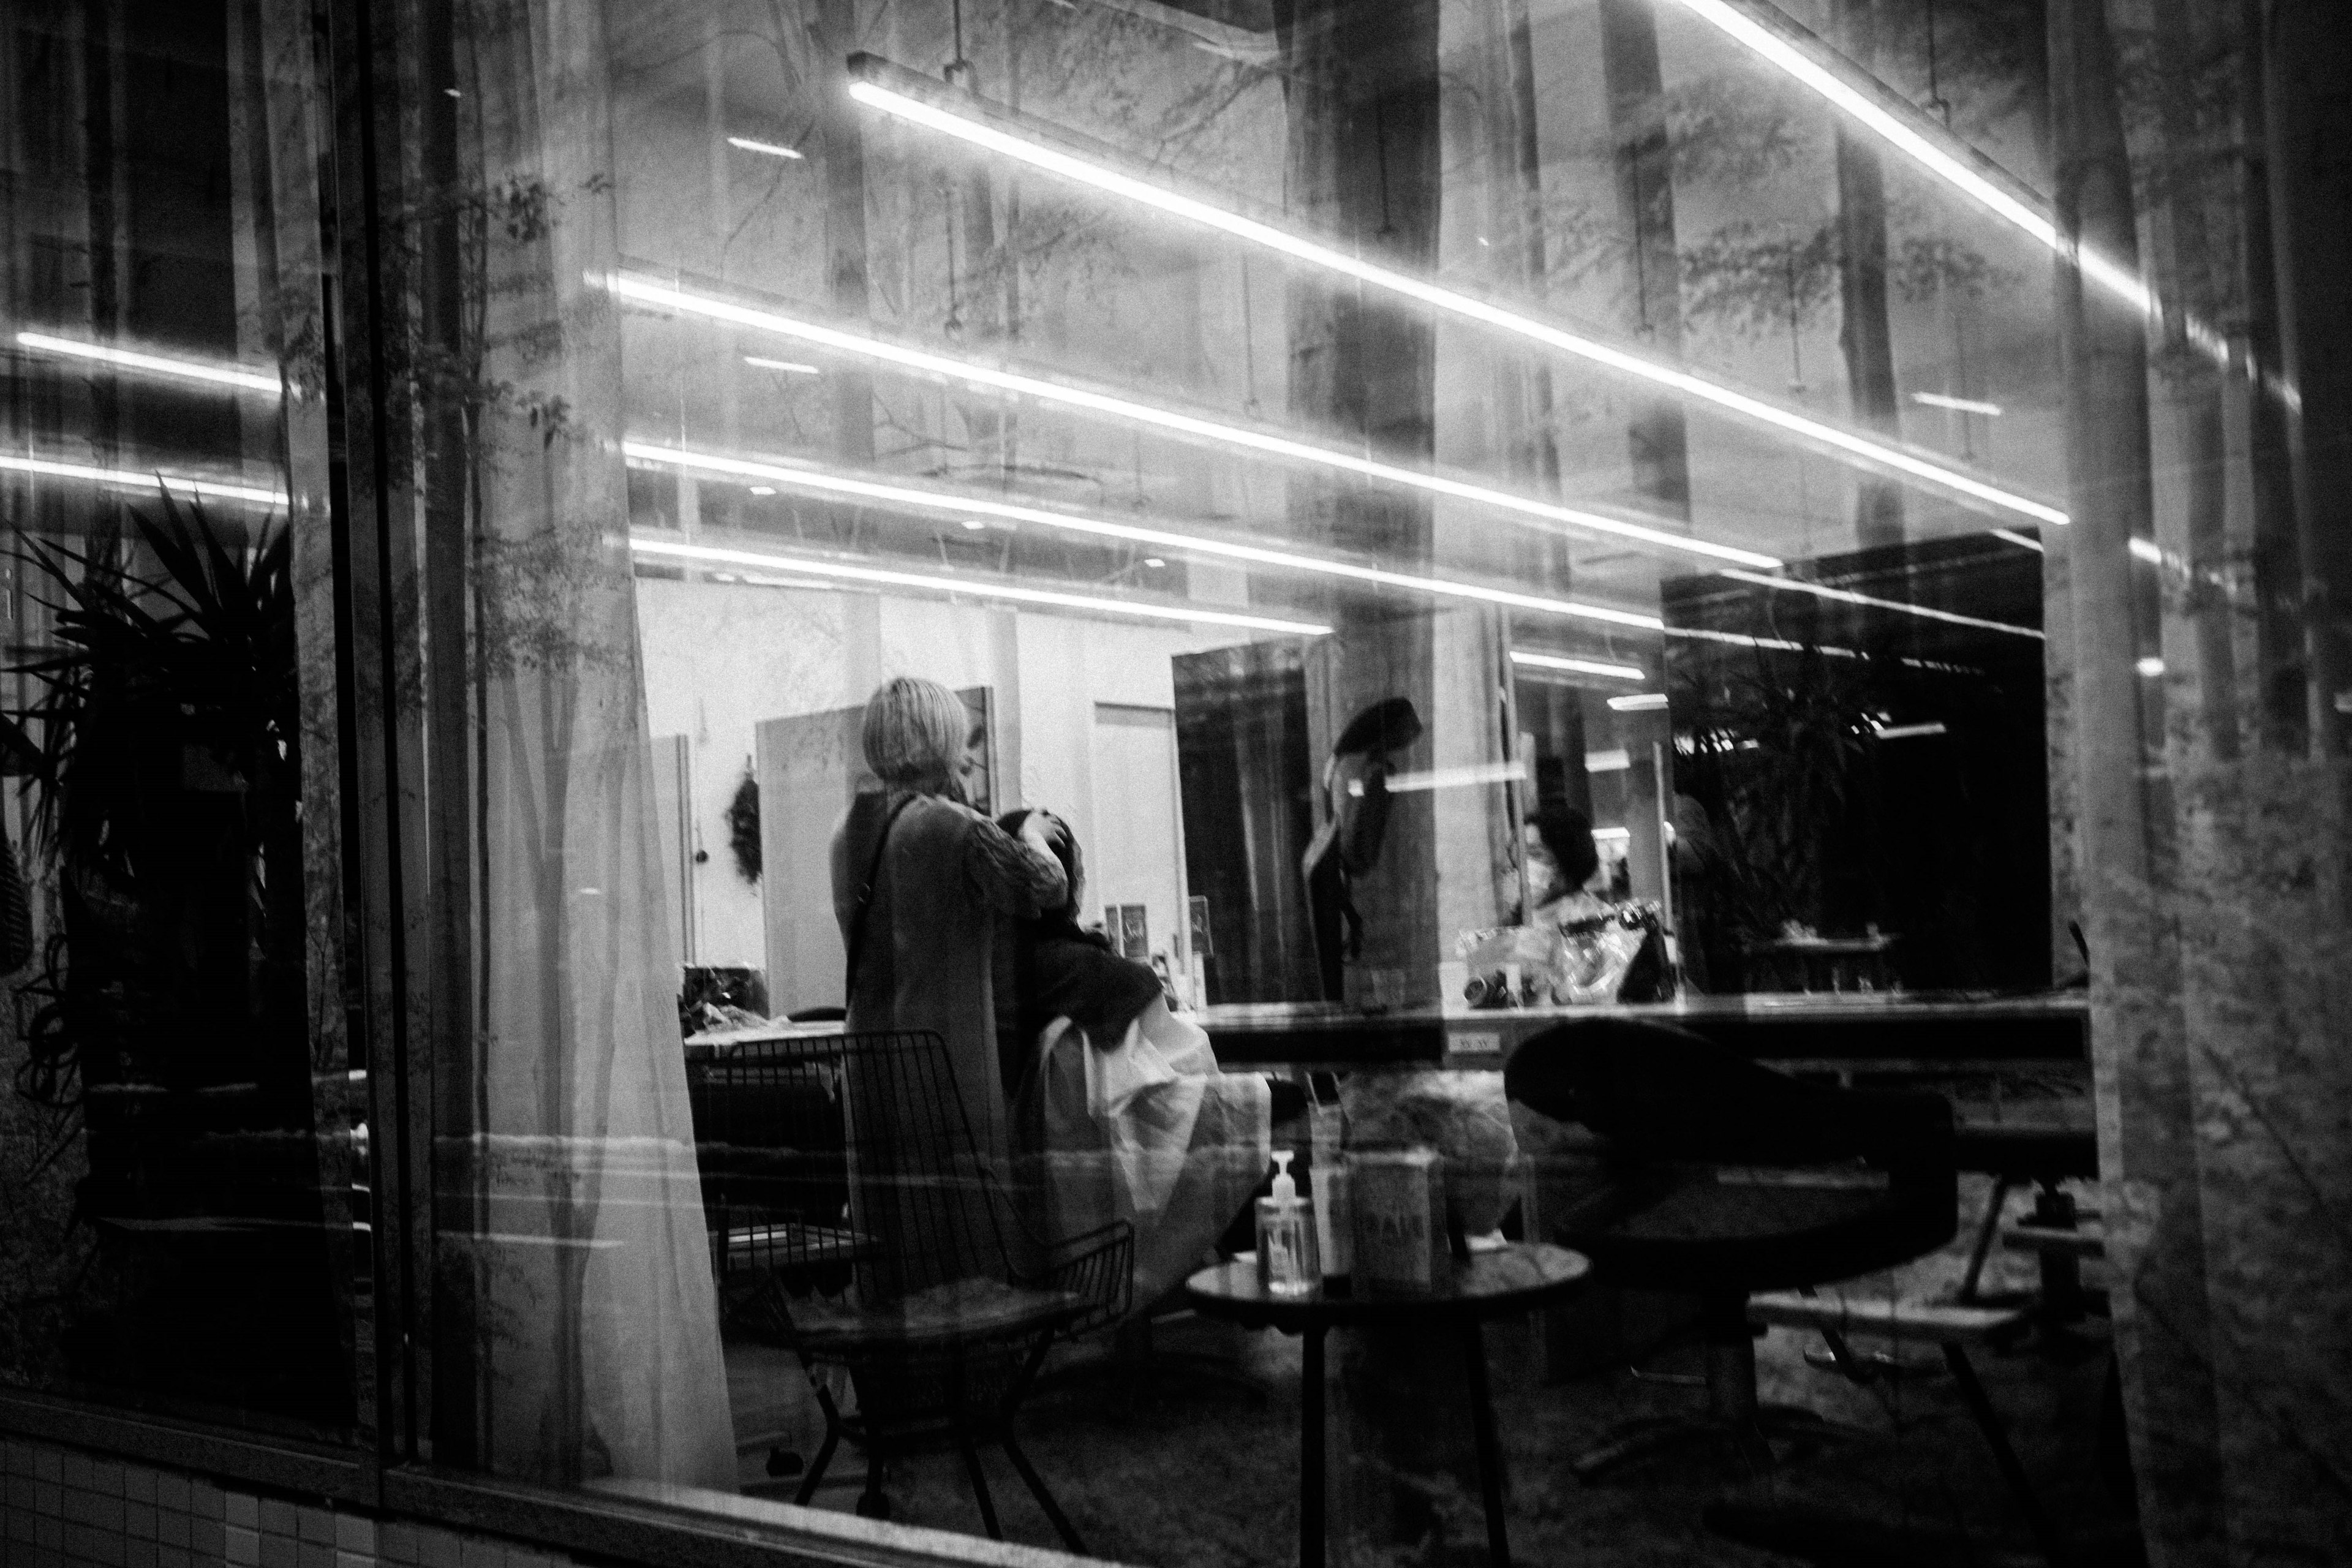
(1718, 1178)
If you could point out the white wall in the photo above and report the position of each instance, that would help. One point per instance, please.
(720, 658)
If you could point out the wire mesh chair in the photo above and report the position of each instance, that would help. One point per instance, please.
(854, 1222)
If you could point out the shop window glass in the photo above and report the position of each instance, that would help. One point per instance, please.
(184, 1206)
(1809, 523)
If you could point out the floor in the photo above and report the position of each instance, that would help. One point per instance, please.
(1178, 1468)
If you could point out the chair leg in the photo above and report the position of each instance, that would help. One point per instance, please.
(1734, 1417)
(1011, 1447)
(2037, 1518)
(1490, 1447)
(1987, 1230)
(972, 1457)
(872, 1502)
(815, 1472)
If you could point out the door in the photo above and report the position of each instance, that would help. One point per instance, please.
(1137, 858)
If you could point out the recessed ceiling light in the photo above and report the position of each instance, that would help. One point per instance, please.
(1575, 666)
(772, 149)
(1958, 405)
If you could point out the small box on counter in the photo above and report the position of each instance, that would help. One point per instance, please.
(1399, 1198)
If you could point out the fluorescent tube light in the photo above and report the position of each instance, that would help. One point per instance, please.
(966, 127)
(1639, 702)
(772, 149)
(790, 366)
(654, 291)
(663, 549)
(1847, 596)
(1610, 761)
(128, 479)
(1576, 666)
(1449, 778)
(2148, 550)
(1958, 405)
(1908, 731)
(1915, 142)
(2151, 667)
(964, 507)
(1612, 834)
(2023, 542)
(216, 372)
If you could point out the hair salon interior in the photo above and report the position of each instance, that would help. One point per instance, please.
(1190, 782)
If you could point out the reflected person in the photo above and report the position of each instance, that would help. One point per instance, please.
(925, 889)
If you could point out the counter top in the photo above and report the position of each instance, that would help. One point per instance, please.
(1945, 1027)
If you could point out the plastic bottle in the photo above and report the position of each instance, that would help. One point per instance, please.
(1335, 1221)
(1287, 1262)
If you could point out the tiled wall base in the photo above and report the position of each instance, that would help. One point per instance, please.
(61, 1505)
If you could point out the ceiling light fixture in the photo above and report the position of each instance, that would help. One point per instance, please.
(2023, 542)
(218, 374)
(1566, 666)
(1847, 596)
(791, 367)
(1639, 702)
(953, 112)
(2027, 213)
(663, 549)
(1958, 405)
(1012, 511)
(1426, 779)
(654, 291)
(130, 479)
(772, 149)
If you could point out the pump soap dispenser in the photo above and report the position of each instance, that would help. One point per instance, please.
(1285, 1237)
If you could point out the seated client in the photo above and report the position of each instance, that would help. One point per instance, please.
(1121, 1099)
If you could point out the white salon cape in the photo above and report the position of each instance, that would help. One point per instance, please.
(1150, 1132)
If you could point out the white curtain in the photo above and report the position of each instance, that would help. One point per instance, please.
(595, 1319)
(2215, 797)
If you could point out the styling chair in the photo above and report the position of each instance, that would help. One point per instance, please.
(853, 1222)
(1721, 1179)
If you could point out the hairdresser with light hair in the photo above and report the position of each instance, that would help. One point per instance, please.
(926, 888)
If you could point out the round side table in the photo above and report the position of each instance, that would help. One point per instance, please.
(1502, 1283)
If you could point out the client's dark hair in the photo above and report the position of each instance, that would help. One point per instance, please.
(1064, 846)
(1567, 834)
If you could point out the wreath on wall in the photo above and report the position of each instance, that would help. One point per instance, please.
(743, 826)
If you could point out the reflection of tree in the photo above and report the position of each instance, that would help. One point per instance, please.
(1778, 753)
(1744, 127)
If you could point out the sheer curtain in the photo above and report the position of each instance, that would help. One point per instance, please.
(2216, 848)
(594, 1323)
